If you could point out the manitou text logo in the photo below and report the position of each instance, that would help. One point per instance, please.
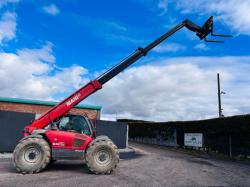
(59, 143)
(76, 97)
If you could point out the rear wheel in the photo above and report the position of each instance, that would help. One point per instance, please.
(102, 156)
(32, 155)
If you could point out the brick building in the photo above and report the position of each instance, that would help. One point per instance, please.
(38, 107)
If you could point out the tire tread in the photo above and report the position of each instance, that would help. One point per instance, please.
(46, 150)
(102, 141)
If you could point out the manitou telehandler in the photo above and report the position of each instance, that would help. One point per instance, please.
(55, 131)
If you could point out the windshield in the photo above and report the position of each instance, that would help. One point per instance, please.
(75, 123)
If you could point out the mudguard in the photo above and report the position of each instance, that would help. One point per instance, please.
(32, 136)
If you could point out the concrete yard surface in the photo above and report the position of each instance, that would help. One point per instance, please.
(147, 166)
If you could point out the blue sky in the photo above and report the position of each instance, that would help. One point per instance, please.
(96, 34)
(51, 48)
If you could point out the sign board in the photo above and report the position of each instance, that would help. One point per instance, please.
(193, 139)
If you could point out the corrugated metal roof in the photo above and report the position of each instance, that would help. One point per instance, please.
(47, 103)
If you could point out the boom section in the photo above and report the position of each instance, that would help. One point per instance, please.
(140, 52)
(91, 87)
(201, 32)
(64, 106)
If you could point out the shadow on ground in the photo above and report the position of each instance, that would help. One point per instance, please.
(130, 155)
(202, 162)
(69, 165)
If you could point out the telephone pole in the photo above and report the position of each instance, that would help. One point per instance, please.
(219, 96)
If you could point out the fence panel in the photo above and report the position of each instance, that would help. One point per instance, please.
(116, 131)
(12, 124)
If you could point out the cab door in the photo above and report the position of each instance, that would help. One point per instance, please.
(72, 132)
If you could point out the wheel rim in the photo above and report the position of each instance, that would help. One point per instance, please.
(32, 155)
(103, 157)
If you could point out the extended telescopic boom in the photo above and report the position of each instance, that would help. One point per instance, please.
(91, 87)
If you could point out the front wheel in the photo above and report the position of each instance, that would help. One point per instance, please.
(31, 155)
(102, 156)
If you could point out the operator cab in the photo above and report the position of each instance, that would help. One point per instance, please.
(76, 123)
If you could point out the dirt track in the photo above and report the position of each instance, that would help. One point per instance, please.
(147, 166)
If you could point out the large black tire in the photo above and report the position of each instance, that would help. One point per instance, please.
(31, 155)
(102, 156)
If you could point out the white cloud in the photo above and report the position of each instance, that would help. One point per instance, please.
(51, 9)
(5, 2)
(163, 5)
(7, 27)
(175, 89)
(178, 89)
(234, 13)
(169, 47)
(32, 73)
(201, 47)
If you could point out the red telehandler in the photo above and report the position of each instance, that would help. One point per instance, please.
(55, 132)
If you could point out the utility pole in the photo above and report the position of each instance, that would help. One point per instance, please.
(219, 96)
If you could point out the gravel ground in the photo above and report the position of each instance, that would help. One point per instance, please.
(147, 166)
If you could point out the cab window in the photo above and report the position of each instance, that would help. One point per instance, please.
(75, 124)
(64, 123)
